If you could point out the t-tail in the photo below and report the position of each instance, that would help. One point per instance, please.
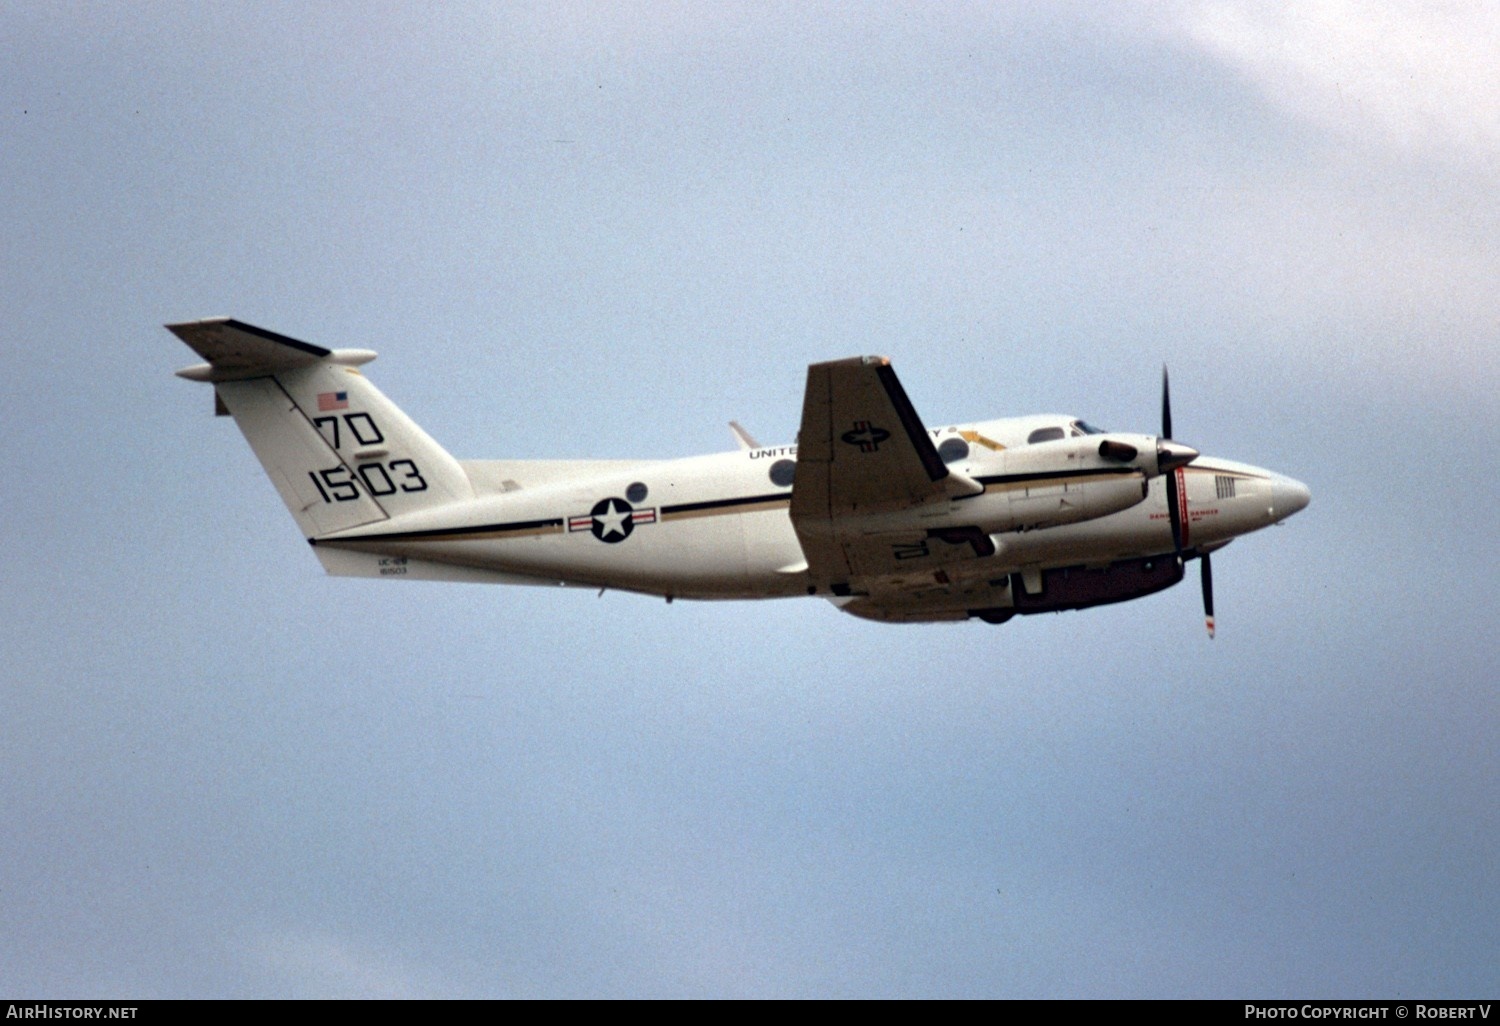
(338, 451)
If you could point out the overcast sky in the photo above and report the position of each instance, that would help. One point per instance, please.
(606, 230)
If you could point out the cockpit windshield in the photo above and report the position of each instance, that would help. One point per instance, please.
(1074, 429)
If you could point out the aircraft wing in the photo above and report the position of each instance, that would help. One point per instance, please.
(864, 458)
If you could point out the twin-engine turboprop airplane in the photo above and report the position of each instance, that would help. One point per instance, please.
(885, 517)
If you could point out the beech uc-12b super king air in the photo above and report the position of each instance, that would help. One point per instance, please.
(872, 510)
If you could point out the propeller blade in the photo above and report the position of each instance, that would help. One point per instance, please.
(1208, 596)
(1166, 405)
(1170, 458)
(1174, 515)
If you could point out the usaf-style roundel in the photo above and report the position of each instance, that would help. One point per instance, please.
(866, 436)
(611, 520)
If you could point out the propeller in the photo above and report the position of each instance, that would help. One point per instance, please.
(1166, 404)
(1208, 595)
(1170, 457)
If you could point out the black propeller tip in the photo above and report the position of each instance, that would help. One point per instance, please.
(1166, 404)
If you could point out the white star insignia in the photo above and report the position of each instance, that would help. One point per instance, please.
(612, 521)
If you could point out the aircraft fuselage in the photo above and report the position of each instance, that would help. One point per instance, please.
(717, 527)
(885, 517)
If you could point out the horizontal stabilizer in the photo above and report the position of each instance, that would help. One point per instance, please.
(235, 349)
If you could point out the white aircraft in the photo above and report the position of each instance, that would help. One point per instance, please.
(885, 517)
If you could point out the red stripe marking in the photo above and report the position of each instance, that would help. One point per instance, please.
(1182, 505)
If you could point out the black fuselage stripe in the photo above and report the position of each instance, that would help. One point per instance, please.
(438, 534)
(666, 511)
(698, 507)
(458, 532)
(521, 525)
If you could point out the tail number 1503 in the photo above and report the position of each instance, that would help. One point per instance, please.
(337, 484)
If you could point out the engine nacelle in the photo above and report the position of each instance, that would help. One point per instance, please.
(1065, 482)
(1078, 587)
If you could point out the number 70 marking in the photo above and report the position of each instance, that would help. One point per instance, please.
(361, 426)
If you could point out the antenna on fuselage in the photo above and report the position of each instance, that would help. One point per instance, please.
(742, 436)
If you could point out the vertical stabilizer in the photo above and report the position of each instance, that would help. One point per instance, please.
(338, 451)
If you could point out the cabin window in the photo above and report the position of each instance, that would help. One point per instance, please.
(783, 472)
(1046, 434)
(1084, 427)
(636, 492)
(953, 449)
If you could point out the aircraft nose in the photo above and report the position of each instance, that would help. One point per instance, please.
(1288, 497)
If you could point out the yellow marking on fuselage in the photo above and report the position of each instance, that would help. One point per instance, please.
(978, 439)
